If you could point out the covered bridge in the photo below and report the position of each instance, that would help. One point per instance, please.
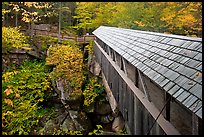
(156, 79)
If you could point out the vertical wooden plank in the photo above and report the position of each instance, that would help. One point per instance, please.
(138, 116)
(145, 122)
(121, 90)
(115, 83)
(97, 54)
(194, 124)
(167, 98)
(124, 100)
(113, 78)
(134, 116)
(110, 76)
(106, 69)
(130, 110)
(151, 120)
(102, 64)
(116, 87)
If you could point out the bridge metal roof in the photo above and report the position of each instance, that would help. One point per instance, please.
(173, 62)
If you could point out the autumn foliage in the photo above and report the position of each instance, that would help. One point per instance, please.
(22, 90)
(184, 18)
(69, 64)
(13, 38)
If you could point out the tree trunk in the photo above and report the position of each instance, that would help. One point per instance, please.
(59, 40)
(7, 19)
(16, 19)
(32, 30)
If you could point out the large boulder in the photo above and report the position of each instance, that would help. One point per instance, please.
(77, 121)
(118, 124)
(105, 119)
(93, 66)
(68, 125)
(54, 124)
(64, 91)
(90, 108)
(102, 108)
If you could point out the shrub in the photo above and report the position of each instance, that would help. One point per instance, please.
(13, 38)
(93, 91)
(23, 90)
(69, 64)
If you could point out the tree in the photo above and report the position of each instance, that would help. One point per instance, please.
(90, 15)
(32, 12)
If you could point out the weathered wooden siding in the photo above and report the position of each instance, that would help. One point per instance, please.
(136, 115)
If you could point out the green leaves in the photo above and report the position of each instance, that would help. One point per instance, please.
(24, 88)
(92, 91)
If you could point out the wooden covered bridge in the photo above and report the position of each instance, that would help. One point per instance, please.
(156, 79)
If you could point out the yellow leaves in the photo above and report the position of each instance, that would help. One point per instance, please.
(40, 100)
(8, 91)
(69, 63)
(29, 4)
(13, 38)
(139, 23)
(6, 76)
(8, 102)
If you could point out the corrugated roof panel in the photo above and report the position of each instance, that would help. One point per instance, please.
(176, 42)
(199, 67)
(186, 44)
(162, 70)
(166, 62)
(152, 74)
(164, 82)
(199, 112)
(189, 101)
(174, 65)
(131, 59)
(169, 85)
(196, 106)
(197, 93)
(183, 96)
(200, 49)
(147, 70)
(177, 93)
(160, 79)
(173, 75)
(166, 40)
(195, 46)
(143, 68)
(198, 57)
(192, 63)
(156, 77)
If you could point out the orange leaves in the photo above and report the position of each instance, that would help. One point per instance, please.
(17, 95)
(8, 102)
(8, 91)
